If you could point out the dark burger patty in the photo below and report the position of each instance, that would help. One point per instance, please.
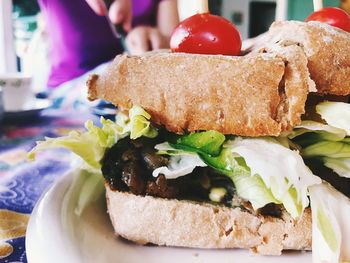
(129, 164)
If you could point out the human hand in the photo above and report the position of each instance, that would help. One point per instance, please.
(145, 38)
(345, 5)
(120, 11)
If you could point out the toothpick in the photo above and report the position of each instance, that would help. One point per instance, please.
(318, 5)
(187, 8)
(281, 10)
(202, 6)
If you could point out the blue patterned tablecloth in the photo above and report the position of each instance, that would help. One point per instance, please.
(23, 182)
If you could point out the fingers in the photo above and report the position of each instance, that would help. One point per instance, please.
(137, 41)
(120, 12)
(98, 6)
(167, 17)
(144, 38)
(116, 13)
(128, 16)
(155, 39)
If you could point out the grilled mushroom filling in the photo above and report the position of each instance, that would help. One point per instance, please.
(128, 166)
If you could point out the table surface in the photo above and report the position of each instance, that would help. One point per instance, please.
(22, 182)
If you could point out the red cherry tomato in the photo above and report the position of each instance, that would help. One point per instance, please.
(206, 34)
(332, 16)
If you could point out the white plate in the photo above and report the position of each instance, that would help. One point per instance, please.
(56, 234)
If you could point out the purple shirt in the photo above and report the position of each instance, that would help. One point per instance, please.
(80, 40)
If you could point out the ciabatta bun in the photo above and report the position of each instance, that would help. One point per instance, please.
(170, 222)
(255, 95)
(327, 49)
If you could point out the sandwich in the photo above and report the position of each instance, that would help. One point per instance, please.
(213, 151)
(325, 46)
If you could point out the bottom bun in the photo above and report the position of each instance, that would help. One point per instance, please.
(170, 222)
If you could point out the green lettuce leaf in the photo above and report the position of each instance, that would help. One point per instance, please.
(346, 140)
(282, 170)
(253, 188)
(329, 149)
(330, 227)
(262, 170)
(341, 166)
(248, 187)
(335, 114)
(166, 149)
(208, 142)
(85, 188)
(87, 145)
(92, 144)
(327, 142)
(290, 199)
(140, 124)
(225, 162)
(323, 131)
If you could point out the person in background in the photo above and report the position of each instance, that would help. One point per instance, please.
(81, 38)
(345, 5)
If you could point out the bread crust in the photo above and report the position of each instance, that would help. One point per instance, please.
(170, 222)
(327, 49)
(256, 95)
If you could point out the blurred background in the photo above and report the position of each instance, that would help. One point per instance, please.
(22, 29)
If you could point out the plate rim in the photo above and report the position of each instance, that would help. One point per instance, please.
(58, 189)
(58, 192)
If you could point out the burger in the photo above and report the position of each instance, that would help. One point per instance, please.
(213, 151)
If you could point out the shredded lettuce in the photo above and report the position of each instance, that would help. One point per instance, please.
(183, 162)
(262, 170)
(188, 152)
(253, 188)
(324, 131)
(339, 165)
(86, 145)
(327, 142)
(282, 170)
(179, 165)
(86, 188)
(346, 140)
(327, 149)
(140, 124)
(92, 144)
(248, 187)
(335, 114)
(225, 162)
(330, 224)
